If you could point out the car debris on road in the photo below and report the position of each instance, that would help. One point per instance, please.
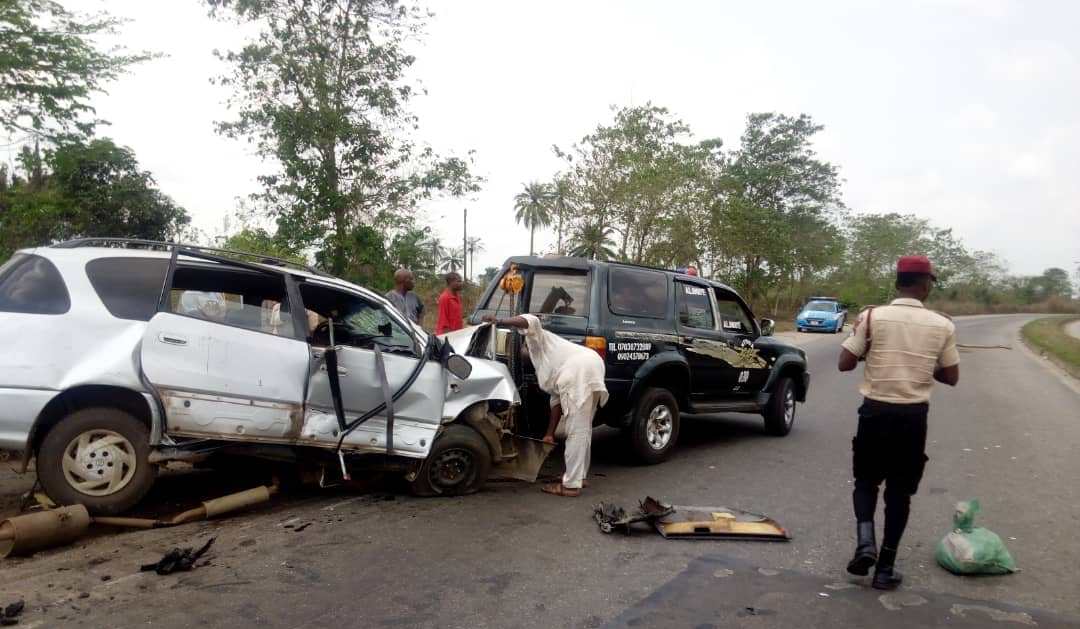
(31, 532)
(689, 522)
(178, 559)
(11, 613)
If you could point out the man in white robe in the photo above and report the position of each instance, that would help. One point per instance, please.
(573, 376)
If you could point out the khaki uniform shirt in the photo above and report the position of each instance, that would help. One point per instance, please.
(907, 344)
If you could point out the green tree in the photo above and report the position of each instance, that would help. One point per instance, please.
(50, 66)
(85, 190)
(532, 208)
(777, 186)
(259, 241)
(409, 249)
(436, 251)
(561, 208)
(593, 241)
(488, 276)
(1055, 282)
(453, 260)
(321, 92)
(634, 176)
(476, 245)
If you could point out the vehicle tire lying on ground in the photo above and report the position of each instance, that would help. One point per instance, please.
(459, 464)
(96, 457)
(654, 427)
(780, 411)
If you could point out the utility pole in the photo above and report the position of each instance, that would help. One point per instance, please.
(465, 248)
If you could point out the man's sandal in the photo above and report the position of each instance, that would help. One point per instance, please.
(557, 489)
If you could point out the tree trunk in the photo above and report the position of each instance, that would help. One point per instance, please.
(560, 247)
(532, 235)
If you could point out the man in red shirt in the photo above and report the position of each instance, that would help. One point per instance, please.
(450, 315)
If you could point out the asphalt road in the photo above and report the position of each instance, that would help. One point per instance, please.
(513, 557)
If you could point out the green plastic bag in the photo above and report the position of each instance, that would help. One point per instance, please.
(969, 549)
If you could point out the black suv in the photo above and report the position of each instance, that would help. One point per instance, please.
(672, 344)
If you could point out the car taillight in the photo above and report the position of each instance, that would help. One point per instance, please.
(598, 344)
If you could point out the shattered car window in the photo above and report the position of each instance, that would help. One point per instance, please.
(564, 294)
(357, 322)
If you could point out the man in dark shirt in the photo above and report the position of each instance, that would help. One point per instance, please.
(403, 298)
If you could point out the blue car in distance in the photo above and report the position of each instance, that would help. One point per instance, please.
(821, 313)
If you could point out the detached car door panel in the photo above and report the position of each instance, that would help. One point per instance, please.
(224, 382)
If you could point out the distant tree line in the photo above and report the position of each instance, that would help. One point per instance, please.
(766, 217)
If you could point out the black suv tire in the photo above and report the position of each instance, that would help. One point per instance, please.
(780, 411)
(654, 426)
(124, 448)
(459, 463)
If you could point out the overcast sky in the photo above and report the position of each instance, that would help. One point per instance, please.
(961, 111)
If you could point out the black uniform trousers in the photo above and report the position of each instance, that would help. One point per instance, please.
(890, 448)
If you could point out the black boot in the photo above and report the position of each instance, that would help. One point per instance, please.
(865, 550)
(885, 576)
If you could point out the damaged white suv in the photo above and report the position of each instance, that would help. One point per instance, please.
(119, 356)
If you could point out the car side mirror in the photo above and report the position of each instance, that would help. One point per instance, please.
(768, 326)
(459, 366)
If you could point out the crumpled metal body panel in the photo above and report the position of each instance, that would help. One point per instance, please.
(490, 380)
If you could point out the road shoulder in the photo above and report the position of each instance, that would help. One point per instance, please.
(1052, 338)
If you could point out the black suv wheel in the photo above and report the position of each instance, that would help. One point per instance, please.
(654, 427)
(458, 464)
(780, 412)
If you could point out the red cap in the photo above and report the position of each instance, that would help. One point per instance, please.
(915, 264)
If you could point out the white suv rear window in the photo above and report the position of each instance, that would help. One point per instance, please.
(32, 285)
(129, 287)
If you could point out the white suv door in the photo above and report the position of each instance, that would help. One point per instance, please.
(361, 324)
(224, 357)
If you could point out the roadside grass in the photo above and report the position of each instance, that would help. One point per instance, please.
(1049, 336)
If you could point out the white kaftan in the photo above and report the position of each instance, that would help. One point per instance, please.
(573, 375)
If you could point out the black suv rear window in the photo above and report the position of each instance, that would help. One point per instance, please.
(129, 287)
(560, 293)
(32, 285)
(638, 292)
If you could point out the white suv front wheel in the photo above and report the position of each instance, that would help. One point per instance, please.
(96, 457)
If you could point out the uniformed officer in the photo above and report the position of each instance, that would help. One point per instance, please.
(906, 348)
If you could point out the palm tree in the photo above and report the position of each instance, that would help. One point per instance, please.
(434, 248)
(409, 249)
(560, 205)
(532, 209)
(593, 241)
(476, 245)
(453, 260)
